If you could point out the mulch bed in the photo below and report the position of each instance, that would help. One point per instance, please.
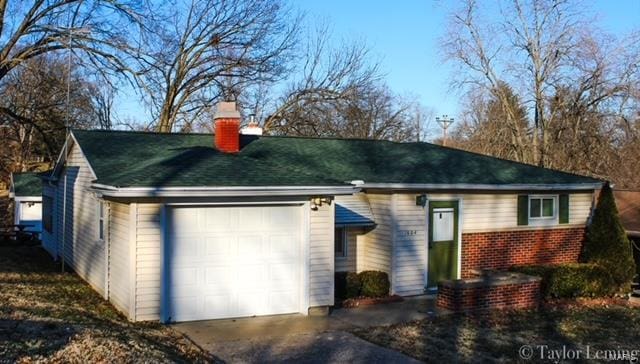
(368, 301)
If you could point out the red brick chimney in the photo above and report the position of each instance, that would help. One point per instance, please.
(227, 123)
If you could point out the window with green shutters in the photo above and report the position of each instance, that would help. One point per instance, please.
(543, 209)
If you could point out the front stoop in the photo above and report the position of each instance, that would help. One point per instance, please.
(490, 290)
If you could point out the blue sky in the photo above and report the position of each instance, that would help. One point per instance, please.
(403, 37)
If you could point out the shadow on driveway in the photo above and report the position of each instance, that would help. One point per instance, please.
(316, 339)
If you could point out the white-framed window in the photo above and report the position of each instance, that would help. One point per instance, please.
(101, 219)
(340, 241)
(543, 207)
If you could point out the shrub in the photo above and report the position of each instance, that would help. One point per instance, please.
(606, 243)
(347, 285)
(572, 280)
(353, 285)
(341, 285)
(374, 283)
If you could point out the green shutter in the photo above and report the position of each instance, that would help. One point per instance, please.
(563, 207)
(523, 210)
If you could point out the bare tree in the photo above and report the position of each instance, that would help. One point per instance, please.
(579, 84)
(482, 128)
(339, 92)
(102, 99)
(100, 30)
(34, 111)
(211, 47)
(328, 77)
(476, 48)
(101, 34)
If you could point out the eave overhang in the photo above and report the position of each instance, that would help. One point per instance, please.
(483, 187)
(225, 191)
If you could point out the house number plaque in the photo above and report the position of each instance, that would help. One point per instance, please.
(407, 232)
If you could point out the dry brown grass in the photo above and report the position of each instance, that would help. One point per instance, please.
(48, 316)
(497, 336)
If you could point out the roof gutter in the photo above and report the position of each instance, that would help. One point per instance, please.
(232, 191)
(484, 187)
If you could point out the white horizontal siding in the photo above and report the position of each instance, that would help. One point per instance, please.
(148, 262)
(580, 207)
(409, 252)
(321, 255)
(494, 212)
(83, 251)
(377, 247)
(119, 283)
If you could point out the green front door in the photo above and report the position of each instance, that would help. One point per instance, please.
(443, 241)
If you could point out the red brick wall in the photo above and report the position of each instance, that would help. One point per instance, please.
(464, 298)
(501, 250)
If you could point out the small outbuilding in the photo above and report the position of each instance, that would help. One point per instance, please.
(26, 193)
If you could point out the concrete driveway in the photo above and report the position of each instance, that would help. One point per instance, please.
(309, 339)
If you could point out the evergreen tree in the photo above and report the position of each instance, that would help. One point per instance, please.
(606, 243)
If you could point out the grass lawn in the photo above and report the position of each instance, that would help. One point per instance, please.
(498, 336)
(48, 316)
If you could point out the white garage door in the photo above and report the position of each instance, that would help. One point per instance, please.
(234, 261)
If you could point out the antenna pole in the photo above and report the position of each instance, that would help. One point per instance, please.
(445, 122)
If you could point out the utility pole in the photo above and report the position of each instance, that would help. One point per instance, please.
(71, 34)
(445, 122)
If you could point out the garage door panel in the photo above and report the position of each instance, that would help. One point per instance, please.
(188, 277)
(217, 305)
(252, 277)
(217, 220)
(283, 301)
(252, 303)
(234, 261)
(283, 248)
(250, 219)
(218, 279)
(280, 218)
(189, 307)
(250, 248)
(190, 248)
(280, 275)
(182, 217)
(218, 248)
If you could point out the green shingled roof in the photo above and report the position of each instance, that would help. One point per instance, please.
(138, 159)
(27, 184)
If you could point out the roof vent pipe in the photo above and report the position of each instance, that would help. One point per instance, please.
(252, 128)
(227, 126)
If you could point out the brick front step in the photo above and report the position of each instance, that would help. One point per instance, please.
(496, 290)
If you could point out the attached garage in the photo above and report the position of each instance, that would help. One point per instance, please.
(234, 261)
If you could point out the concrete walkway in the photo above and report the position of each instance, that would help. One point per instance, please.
(313, 339)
